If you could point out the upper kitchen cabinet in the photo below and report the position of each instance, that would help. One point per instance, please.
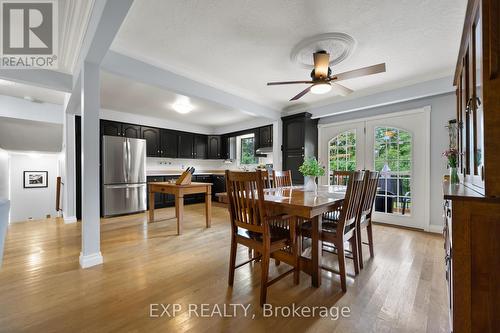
(168, 144)
(152, 137)
(114, 128)
(477, 82)
(200, 146)
(185, 145)
(111, 128)
(131, 131)
(266, 136)
(214, 147)
(300, 138)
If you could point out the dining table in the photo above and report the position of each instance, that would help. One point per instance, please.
(304, 205)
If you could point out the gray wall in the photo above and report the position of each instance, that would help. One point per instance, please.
(443, 109)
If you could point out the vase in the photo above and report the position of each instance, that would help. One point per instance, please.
(310, 184)
(454, 180)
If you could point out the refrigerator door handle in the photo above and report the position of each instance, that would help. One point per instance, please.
(128, 160)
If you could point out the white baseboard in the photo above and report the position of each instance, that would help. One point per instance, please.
(69, 219)
(90, 260)
(438, 229)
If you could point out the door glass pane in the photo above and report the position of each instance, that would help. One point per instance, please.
(392, 154)
(342, 153)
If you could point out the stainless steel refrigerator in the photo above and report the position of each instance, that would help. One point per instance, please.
(124, 175)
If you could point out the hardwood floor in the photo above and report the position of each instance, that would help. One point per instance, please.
(42, 288)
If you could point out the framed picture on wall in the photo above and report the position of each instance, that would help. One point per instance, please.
(35, 179)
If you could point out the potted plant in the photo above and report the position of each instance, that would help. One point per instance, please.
(452, 156)
(311, 169)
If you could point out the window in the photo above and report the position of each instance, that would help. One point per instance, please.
(342, 153)
(248, 151)
(393, 155)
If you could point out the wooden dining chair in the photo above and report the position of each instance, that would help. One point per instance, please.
(282, 178)
(266, 178)
(341, 177)
(337, 233)
(252, 227)
(365, 213)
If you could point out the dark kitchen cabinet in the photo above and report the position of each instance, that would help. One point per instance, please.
(168, 144)
(219, 186)
(266, 136)
(214, 146)
(111, 128)
(159, 197)
(200, 146)
(300, 140)
(292, 160)
(225, 147)
(131, 131)
(152, 137)
(115, 128)
(185, 145)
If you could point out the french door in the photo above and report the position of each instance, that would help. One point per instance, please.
(396, 145)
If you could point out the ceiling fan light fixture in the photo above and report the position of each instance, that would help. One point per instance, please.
(321, 88)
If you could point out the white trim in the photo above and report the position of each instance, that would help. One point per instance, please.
(69, 219)
(438, 229)
(427, 203)
(90, 260)
(381, 116)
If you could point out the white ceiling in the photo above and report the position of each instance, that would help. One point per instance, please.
(21, 90)
(239, 45)
(121, 94)
(30, 135)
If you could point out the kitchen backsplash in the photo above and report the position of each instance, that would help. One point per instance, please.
(160, 163)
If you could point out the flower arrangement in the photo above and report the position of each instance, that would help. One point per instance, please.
(452, 155)
(311, 167)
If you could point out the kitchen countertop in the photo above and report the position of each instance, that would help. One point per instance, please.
(179, 172)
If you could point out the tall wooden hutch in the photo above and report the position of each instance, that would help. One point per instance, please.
(472, 209)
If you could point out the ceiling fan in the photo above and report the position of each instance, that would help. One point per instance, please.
(323, 80)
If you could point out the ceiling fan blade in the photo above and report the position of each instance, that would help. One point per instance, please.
(321, 63)
(340, 89)
(300, 94)
(375, 69)
(287, 82)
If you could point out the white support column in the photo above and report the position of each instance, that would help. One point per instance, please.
(277, 142)
(69, 176)
(90, 104)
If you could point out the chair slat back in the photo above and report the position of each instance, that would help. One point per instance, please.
(282, 178)
(352, 201)
(369, 192)
(246, 199)
(341, 177)
(266, 179)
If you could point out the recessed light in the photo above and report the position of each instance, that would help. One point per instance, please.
(5, 83)
(183, 105)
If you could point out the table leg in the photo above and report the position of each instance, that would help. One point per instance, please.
(208, 207)
(316, 251)
(179, 209)
(151, 207)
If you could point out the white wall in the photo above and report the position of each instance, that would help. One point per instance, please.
(4, 174)
(443, 109)
(33, 203)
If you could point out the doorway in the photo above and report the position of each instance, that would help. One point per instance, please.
(397, 146)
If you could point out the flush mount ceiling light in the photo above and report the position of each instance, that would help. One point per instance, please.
(321, 88)
(183, 105)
